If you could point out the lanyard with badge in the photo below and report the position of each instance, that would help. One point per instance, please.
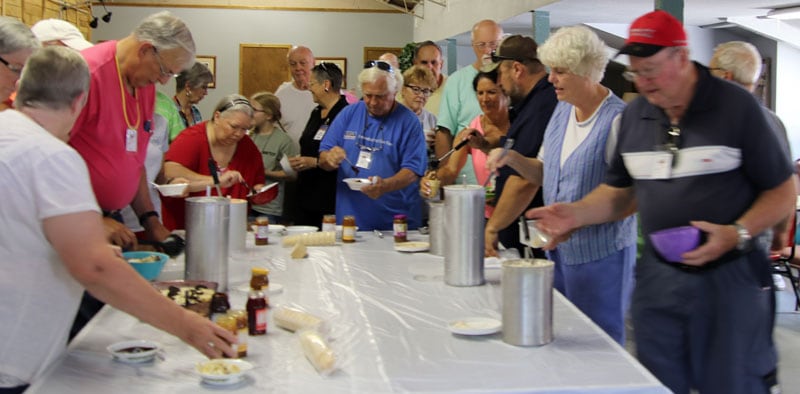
(322, 129)
(662, 169)
(365, 151)
(132, 132)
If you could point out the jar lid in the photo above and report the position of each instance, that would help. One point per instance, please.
(400, 216)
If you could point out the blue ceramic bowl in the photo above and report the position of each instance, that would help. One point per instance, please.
(148, 269)
(671, 243)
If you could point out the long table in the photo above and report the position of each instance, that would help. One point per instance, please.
(386, 314)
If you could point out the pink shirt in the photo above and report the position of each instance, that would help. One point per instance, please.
(479, 162)
(99, 134)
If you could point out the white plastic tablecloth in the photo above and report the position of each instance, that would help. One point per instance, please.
(386, 314)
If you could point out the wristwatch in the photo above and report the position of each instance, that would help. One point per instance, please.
(743, 243)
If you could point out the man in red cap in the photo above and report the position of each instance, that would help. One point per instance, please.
(694, 151)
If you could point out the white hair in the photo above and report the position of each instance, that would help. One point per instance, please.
(578, 49)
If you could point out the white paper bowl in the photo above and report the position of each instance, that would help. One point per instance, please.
(172, 190)
(357, 183)
(218, 372)
(292, 230)
(130, 351)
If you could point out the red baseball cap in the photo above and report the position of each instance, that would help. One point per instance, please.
(653, 32)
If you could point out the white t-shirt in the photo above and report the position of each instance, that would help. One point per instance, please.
(156, 148)
(296, 107)
(42, 177)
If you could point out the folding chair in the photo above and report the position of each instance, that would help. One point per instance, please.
(781, 263)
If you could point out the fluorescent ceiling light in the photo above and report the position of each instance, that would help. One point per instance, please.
(784, 13)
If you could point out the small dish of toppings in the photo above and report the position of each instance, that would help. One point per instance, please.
(136, 351)
(223, 372)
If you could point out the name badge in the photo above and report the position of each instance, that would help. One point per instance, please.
(349, 135)
(131, 142)
(364, 159)
(320, 132)
(662, 167)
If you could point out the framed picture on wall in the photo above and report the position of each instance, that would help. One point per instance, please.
(341, 62)
(211, 63)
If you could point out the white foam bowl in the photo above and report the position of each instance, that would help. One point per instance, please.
(357, 183)
(130, 351)
(212, 371)
(172, 190)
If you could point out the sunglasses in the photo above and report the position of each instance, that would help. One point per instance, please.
(380, 64)
(499, 58)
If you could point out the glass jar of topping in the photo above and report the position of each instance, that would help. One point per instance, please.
(349, 229)
(329, 223)
(241, 328)
(262, 230)
(228, 322)
(400, 228)
(219, 306)
(259, 277)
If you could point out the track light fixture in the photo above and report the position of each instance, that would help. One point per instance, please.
(106, 18)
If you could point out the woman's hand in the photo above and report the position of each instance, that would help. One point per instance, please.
(230, 178)
(302, 163)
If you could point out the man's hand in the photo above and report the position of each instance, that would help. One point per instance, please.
(374, 190)
(118, 234)
(720, 238)
(329, 160)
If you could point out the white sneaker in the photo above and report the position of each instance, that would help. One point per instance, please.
(779, 283)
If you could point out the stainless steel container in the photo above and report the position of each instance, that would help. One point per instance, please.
(463, 223)
(436, 227)
(237, 233)
(207, 227)
(527, 302)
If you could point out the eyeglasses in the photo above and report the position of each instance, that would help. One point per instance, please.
(164, 71)
(239, 129)
(419, 91)
(484, 44)
(15, 68)
(647, 73)
(380, 64)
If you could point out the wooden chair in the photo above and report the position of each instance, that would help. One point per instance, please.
(781, 263)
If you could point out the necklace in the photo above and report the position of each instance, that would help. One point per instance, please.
(134, 126)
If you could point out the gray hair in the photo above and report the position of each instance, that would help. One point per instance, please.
(197, 76)
(578, 49)
(741, 59)
(52, 78)
(15, 36)
(166, 31)
(371, 75)
(234, 103)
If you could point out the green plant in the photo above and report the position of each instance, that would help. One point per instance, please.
(407, 56)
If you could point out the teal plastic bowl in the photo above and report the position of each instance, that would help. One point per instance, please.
(149, 270)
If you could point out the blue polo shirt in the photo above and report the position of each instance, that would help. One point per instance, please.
(396, 141)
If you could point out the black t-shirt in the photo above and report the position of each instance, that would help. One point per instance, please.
(317, 187)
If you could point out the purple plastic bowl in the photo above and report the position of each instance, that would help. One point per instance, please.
(671, 243)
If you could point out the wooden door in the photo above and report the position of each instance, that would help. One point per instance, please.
(373, 53)
(262, 67)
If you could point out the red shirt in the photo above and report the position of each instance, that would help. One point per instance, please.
(99, 133)
(192, 151)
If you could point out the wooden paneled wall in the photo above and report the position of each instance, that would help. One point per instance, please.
(79, 13)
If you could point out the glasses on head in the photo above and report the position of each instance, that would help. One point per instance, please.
(234, 102)
(484, 44)
(419, 91)
(164, 71)
(380, 64)
(15, 68)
